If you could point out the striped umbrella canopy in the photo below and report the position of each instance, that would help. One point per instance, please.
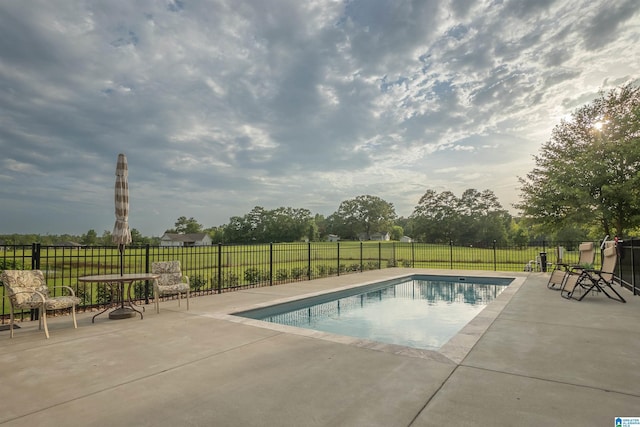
(121, 234)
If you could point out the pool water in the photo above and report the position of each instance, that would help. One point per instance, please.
(421, 312)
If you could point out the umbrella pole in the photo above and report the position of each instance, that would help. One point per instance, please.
(121, 247)
(123, 312)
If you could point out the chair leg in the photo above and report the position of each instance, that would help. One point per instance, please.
(157, 302)
(43, 315)
(73, 313)
(11, 318)
(187, 299)
(619, 296)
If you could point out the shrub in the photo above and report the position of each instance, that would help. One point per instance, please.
(81, 292)
(298, 272)
(139, 290)
(104, 294)
(229, 280)
(10, 264)
(197, 283)
(253, 275)
(282, 274)
(372, 265)
(354, 267)
(322, 270)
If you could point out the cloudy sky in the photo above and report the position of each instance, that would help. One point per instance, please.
(224, 105)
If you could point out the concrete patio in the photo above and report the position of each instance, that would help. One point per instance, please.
(531, 358)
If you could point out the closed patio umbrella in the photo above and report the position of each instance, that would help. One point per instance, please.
(121, 234)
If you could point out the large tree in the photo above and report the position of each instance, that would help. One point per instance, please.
(588, 173)
(362, 216)
(186, 226)
(263, 226)
(476, 217)
(435, 217)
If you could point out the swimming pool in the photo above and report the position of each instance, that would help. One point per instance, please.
(420, 311)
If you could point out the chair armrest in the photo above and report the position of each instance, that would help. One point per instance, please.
(42, 297)
(186, 279)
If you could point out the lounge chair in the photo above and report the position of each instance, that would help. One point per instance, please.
(562, 270)
(170, 282)
(594, 280)
(27, 290)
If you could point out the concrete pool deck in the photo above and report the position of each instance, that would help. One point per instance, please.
(531, 358)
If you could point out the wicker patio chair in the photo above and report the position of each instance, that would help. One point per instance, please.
(27, 290)
(170, 282)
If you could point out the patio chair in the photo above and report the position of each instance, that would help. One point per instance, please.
(594, 280)
(561, 270)
(27, 290)
(170, 282)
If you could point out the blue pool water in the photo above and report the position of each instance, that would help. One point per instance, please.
(418, 311)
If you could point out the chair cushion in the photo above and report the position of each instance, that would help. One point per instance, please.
(64, 301)
(20, 285)
(164, 267)
(169, 279)
(24, 297)
(173, 289)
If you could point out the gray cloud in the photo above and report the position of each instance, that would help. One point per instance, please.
(221, 106)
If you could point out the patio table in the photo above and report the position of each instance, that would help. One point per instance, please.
(119, 282)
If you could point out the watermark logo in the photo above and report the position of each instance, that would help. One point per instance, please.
(627, 422)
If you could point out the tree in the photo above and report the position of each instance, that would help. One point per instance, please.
(264, 226)
(519, 235)
(476, 217)
(435, 217)
(396, 232)
(363, 215)
(187, 226)
(588, 173)
(106, 238)
(91, 238)
(321, 226)
(137, 238)
(216, 234)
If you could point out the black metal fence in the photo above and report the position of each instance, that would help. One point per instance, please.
(223, 267)
(628, 271)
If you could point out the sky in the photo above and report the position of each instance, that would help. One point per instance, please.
(224, 105)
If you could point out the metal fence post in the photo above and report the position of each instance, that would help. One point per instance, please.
(309, 260)
(393, 254)
(338, 256)
(271, 264)
(379, 255)
(451, 254)
(35, 265)
(361, 263)
(633, 272)
(413, 255)
(495, 263)
(147, 265)
(219, 286)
